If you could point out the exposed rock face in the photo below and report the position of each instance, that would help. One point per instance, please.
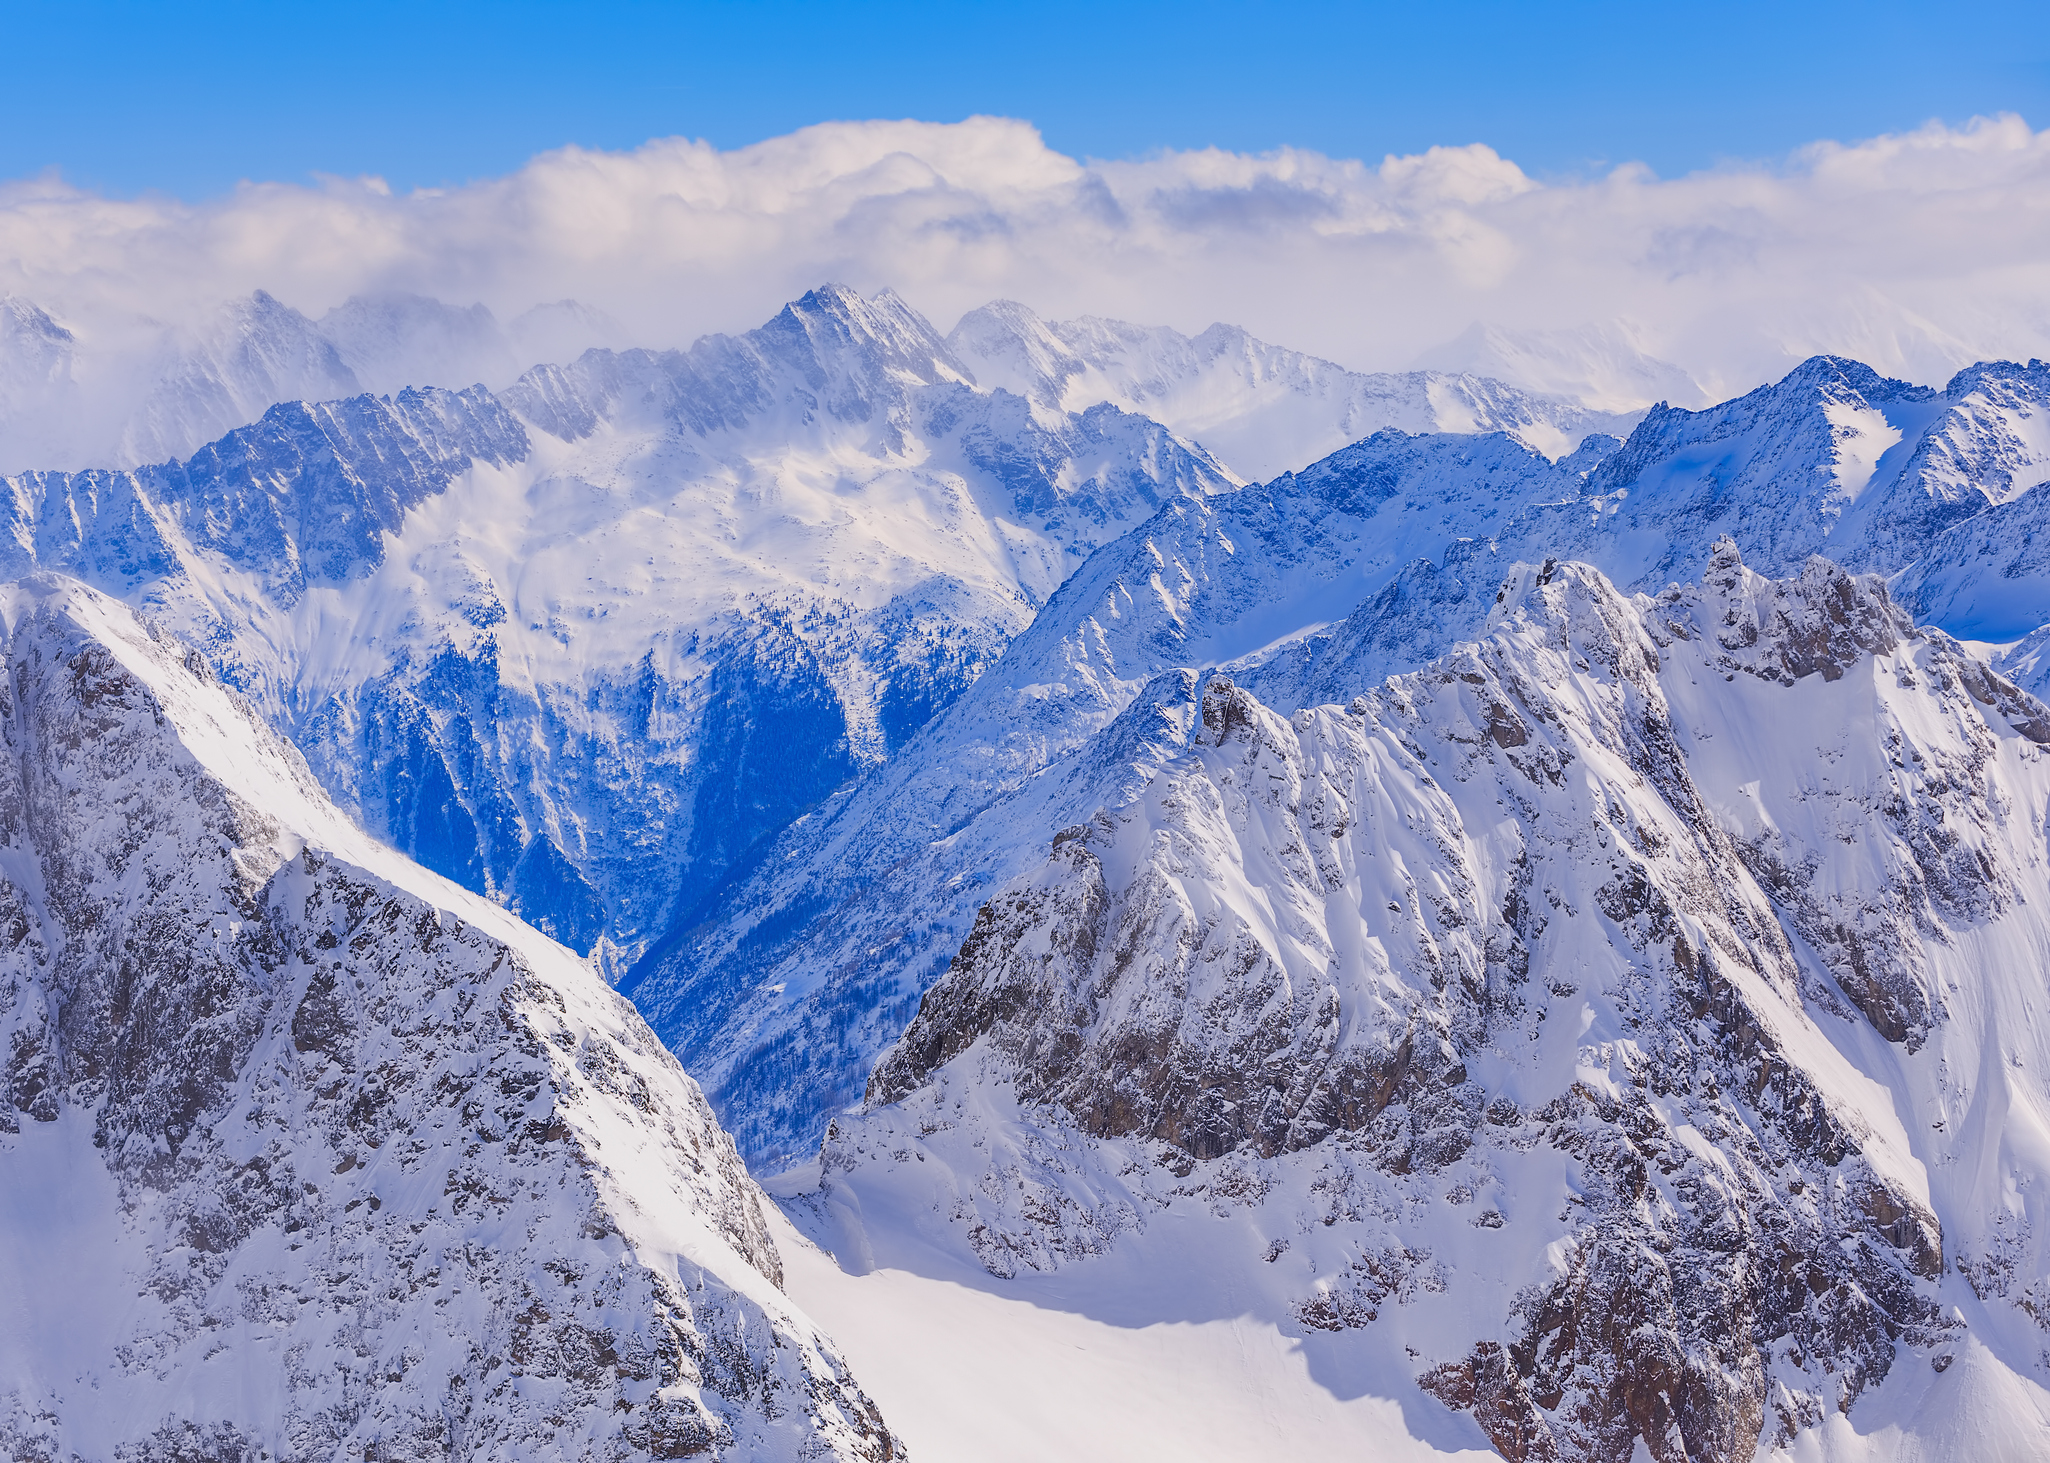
(308, 1154)
(1589, 1012)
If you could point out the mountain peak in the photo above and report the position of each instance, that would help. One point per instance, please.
(834, 318)
(1516, 957)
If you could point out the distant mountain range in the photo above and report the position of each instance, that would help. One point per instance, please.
(1530, 906)
(140, 392)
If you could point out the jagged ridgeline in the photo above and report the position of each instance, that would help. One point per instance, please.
(1313, 588)
(584, 643)
(308, 1154)
(1625, 1031)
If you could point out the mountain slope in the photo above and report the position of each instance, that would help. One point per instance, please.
(783, 987)
(786, 984)
(1622, 1033)
(307, 1153)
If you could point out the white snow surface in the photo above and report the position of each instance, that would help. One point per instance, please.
(1138, 1356)
(309, 1153)
(1751, 873)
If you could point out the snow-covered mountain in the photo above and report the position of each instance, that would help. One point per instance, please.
(306, 1153)
(944, 727)
(581, 644)
(782, 992)
(121, 392)
(132, 391)
(1833, 459)
(1620, 1038)
(1258, 408)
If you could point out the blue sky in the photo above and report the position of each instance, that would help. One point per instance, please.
(189, 99)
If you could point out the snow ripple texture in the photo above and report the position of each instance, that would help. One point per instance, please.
(306, 1153)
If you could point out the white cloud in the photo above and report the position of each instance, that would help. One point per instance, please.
(1917, 253)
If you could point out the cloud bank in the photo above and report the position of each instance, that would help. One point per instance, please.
(1917, 252)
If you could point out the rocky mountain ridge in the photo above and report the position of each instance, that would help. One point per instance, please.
(1310, 589)
(1618, 1032)
(307, 1153)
